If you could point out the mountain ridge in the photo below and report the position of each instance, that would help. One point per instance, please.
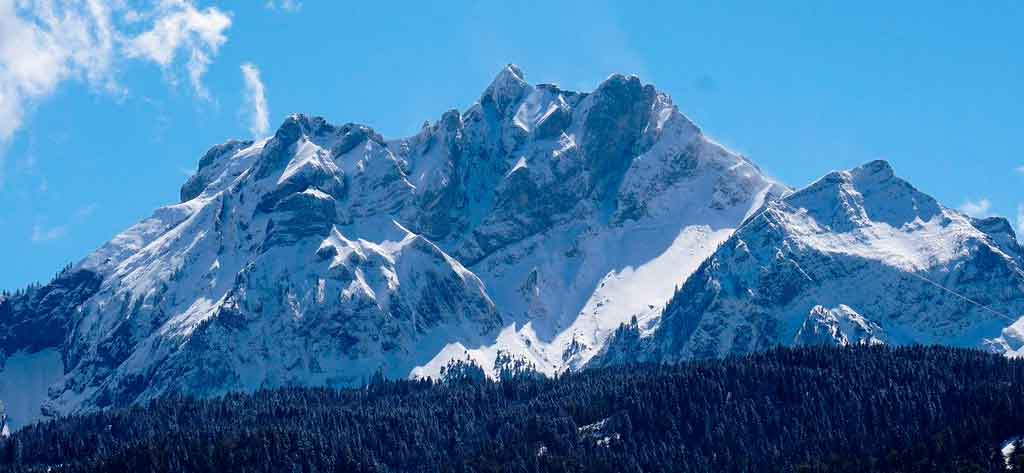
(513, 233)
(858, 256)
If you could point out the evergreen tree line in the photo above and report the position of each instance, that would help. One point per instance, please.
(812, 409)
(34, 286)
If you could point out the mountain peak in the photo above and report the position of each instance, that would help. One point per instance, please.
(298, 124)
(506, 88)
(868, 193)
(618, 78)
(512, 69)
(208, 167)
(870, 174)
(877, 170)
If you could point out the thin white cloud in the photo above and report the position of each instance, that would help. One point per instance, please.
(979, 208)
(1020, 218)
(44, 43)
(42, 233)
(1019, 169)
(286, 5)
(255, 101)
(85, 212)
(179, 25)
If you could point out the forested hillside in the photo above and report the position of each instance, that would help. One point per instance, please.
(912, 409)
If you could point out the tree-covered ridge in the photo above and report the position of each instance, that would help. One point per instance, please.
(806, 409)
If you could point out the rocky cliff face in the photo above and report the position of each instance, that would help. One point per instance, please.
(860, 256)
(517, 233)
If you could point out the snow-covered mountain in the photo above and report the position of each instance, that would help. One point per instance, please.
(520, 232)
(859, 256)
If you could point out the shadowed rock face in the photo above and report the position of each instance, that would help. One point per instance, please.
(505, 91)
(558, 118)
(593, 137)
(40, 317)
(307, 214)
(278, 151)
(209, 168)
(621, 107)
(1002, 235)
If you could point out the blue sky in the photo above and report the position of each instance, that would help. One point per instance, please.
(106, 107)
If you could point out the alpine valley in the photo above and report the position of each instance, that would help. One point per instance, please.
(538, 230)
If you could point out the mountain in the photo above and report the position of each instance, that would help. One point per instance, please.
(858, 257)
(520, 232)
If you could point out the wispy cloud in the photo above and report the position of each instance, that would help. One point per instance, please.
(255, 101)
(86, 211)
(180, 26)
(286, 5)
(42, 233)
(1019, 169)
(1020, 218)
(44, 43)
(979, 208)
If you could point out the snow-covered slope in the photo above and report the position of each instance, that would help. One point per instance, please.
(859, 256)
(520, 232)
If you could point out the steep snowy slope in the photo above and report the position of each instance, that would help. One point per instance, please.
(522, 231)
(857, 257)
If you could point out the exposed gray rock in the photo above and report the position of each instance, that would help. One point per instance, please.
(209, 168)
(841, 326)
(620, 108)
(40, 317)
